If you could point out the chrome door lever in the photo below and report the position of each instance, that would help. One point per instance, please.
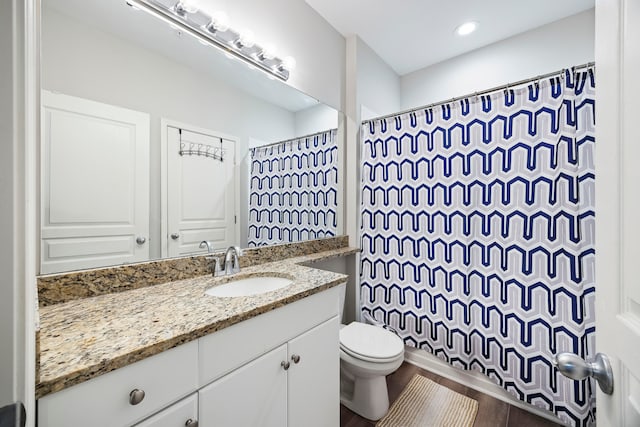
(573, 366)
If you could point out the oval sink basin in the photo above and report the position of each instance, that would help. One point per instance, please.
(248, 286)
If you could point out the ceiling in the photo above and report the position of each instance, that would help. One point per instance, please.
(413, 34)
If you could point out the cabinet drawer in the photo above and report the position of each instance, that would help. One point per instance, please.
(225, 350)
(104, 401)
(176, 415)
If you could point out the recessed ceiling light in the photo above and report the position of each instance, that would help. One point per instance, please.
(466, 28)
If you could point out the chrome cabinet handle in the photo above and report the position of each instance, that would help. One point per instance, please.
(140, 240)
(573, 366)
(175, 236)
(136, 396)
(285, 365)
(295, 358)
(191, 423)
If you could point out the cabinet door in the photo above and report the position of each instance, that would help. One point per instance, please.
(253, 395)
(180, 414)
(314, 381)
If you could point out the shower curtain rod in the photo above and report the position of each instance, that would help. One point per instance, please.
(295, 139)
(484, 92)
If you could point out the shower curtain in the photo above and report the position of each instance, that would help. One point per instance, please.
(293, 190)
(478, 234)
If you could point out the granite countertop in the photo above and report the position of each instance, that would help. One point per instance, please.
(85, 338)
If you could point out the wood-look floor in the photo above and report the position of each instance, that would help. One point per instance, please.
(491, 411)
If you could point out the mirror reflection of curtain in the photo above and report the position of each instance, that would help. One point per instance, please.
(293, 190)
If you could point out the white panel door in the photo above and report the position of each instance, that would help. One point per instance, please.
(201, 191)
(254, 395)
(94, 184)
(618, 207)
(313, 381)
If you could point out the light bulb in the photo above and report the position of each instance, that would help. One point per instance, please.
(185, 6)
(466, 28)
(246, 39)
(219, 22)
(289, 63)
(268, 52)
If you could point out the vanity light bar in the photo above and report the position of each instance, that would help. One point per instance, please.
(197, 24)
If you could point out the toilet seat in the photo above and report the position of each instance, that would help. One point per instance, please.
(370, 343)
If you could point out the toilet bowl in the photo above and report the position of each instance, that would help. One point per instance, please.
(367, 355)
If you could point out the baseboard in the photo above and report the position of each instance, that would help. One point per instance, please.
(471, 379)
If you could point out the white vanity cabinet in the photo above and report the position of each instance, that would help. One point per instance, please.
(280, 368)
(296, 384)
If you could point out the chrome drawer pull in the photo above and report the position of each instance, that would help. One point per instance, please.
(136, 396)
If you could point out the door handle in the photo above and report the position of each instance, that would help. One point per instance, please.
(573, 366)
(140, 240)
(13, 415)
(175, 236)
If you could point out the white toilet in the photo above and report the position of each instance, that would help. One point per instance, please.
(367, 355)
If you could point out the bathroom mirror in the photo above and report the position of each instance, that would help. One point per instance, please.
(135, 113)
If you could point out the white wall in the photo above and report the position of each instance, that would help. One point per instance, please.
(549, 48)
(17, 174)
(378, 85)
(80, 61)
(297, 30)
(315, 119)
(7, 138)
(373, 88)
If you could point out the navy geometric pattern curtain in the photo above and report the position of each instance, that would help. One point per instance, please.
(478, 234)
(293, 190)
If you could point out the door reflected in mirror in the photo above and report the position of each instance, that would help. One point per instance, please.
(134, 113)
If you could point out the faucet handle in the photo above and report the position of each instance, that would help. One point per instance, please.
(236, 259)
(207, 244)
(232, 260)
(216, 269)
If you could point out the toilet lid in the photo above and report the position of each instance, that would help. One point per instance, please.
(370, 342)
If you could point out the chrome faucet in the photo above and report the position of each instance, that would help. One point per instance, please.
(215, 262)
(231, 261)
